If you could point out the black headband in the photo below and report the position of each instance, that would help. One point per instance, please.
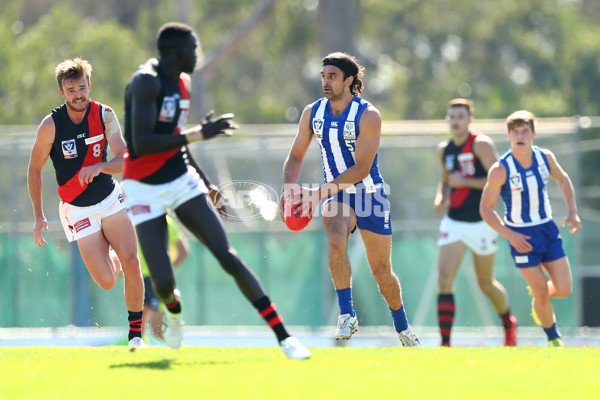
(347, 67)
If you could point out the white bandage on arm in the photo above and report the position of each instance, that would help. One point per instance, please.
(111, 122)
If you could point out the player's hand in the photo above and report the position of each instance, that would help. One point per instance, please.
(442, 206)
(456, 180)
(575, 223)
(306, 201)
(39, 225)
(219, 126)
(218, 199)
(519, 242)
(286, 197)
(87, 174)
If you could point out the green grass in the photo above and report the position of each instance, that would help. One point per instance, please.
(113, 372)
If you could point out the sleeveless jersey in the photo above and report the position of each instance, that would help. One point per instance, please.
(172, 103)
(337, 139)
(525, 192)
(76, 146)
(464, 201)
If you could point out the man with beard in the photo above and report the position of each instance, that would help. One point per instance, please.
(75, 136)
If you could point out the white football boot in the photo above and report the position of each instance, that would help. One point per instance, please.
(346, 326)
(293, 349)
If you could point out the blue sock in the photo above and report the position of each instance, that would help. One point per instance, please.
(345, 301)
(400, 321)
(552, 332)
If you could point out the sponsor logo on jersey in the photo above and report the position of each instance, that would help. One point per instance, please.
(69, 149)
(168, 109)
(544, 173)
(466, 162)
(94, 139)
(81, 135)
(334, 124)
(349, 132)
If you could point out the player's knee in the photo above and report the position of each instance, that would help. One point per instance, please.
(383, 276)
(338, 243)
(106, 281)
(563, 290)
(229, 260)
(445, 280)
(130, 263)
(486, 286)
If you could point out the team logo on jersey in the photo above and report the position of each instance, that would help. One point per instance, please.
(516, 183)
(318, 127)
(449, 162)
(349, 132)
(168, 109)
(69, 149)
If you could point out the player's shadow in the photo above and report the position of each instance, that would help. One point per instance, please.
(166, 364)
(160, 364)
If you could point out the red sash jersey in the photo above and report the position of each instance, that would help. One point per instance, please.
(173, 105)
(464, 201)
(76, 146)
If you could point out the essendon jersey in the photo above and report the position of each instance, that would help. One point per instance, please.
(172, 105)
(464, 201)
(76, 146)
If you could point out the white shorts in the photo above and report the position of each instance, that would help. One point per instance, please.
(478, 236)
(145, 202)
(79, 222)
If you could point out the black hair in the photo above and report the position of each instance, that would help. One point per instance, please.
(171, 35)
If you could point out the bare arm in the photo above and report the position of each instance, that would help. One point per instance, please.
(367, 146)
(293, 163)
(565, 186)
(117, 146)
(39, 155)
(216, 197)
(485, 151)
(143, 91)
(441, 200)
(489, 198)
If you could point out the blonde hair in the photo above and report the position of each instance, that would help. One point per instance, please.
(74, 69)
(459, 102)
(521, 117)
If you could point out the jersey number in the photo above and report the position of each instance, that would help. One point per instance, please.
(97, 150)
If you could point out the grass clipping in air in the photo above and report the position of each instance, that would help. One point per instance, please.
(113, 372)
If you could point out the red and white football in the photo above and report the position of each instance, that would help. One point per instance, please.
(292, 218)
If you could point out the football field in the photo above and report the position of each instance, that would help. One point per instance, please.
(114, 372)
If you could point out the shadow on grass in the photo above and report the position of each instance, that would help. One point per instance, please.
(166, 364)
(161, 364)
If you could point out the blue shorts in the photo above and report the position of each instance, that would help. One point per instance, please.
(372, 209)
(546, 242)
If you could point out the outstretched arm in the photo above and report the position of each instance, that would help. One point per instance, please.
(144, 90)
